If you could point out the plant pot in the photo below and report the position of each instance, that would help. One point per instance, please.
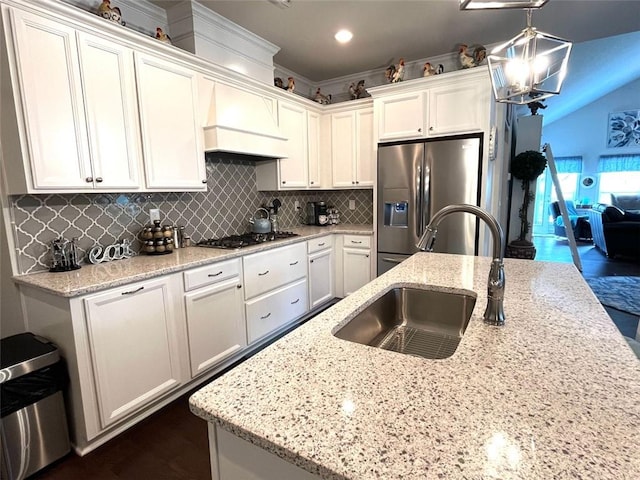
(523, 250)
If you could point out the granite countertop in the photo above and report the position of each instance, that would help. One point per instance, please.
(554, 394)
(92, 278)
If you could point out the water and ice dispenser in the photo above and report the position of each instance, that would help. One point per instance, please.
(396, 214)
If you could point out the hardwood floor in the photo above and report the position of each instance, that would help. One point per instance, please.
(172, 443)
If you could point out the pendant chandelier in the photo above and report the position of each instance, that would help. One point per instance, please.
(529, 67)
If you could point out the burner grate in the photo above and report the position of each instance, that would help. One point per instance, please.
(244, 240)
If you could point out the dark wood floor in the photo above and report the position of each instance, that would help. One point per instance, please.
(172, 443)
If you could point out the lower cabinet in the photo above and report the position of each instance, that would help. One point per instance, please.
(321, 270)
(356, 262)
(214, 305)
(267, 313)
(275, 289)
(134, 347)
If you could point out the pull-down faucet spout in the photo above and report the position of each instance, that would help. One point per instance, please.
(494, 313)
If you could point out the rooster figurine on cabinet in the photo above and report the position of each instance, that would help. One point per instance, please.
(356, 91)
(105, 10)
(163, 37)
(321, 98)
(470, 60)
(429, 69)
(291, 85)
(398, 75)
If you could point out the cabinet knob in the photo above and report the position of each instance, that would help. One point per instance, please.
(239, 286)
(431, 129)
(367, 256)
(204, 180)
(419, 130)
(99, 179)
(88, 179)
(310, 261)
(353, 183)
(357, 182)
(283, 182)
(311, 183)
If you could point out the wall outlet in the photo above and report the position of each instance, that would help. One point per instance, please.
(352, 204)
(154, 214)
(296, 205)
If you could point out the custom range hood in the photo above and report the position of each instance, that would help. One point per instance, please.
(242, 122)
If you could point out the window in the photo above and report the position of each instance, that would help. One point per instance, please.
(569, 169)
(619, 175)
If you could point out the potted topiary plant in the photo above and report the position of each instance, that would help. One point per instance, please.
(526, 167)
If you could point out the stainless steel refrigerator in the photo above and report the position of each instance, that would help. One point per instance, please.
(417, 179)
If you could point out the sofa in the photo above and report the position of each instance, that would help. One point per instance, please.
(629, 203)
(615, 231)
(579, 223)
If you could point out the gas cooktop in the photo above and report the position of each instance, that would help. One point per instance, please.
(244, 240)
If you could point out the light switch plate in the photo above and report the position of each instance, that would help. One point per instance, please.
(352, 204)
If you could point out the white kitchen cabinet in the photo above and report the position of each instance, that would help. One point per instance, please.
(267, 313)
(133, 340)
(293, 170)
(401, 117)
(46, 75)
(321, 271)
(172, 139)
(352, 148)
(313, 149)
(214, 304)
(356, 262)
(455, 108)
(302, 169)
(275, 289)
(112, 113)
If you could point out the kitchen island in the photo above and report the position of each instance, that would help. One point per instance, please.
(553, 394)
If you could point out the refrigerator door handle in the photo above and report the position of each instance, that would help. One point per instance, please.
(425, 204)
(417, 213)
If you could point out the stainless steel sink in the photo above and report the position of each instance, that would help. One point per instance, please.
(426, 323)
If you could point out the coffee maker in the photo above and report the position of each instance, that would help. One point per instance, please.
(317, 214)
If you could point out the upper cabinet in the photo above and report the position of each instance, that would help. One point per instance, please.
(352, 148)
(83, 113)
(451, 104)
(302, 167)
(171, 136)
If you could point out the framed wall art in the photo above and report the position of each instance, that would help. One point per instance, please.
(623, 129)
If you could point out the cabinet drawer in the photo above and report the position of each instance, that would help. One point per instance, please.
(320, 243)
(265, 314)
(357, 241)
(265, 271)
(209, 274)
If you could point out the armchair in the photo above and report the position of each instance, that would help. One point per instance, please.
(579, 223)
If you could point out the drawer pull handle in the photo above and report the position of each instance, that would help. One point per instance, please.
(321, 244)
(294, 263)
(266, 316)
(215, 274)
(295, 301)
(353, 241)
(261, 274)
(131, 292)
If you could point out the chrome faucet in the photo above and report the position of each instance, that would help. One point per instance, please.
(494, 313)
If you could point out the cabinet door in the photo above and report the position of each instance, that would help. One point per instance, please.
(52, 103)
(292, 120)
(171, 135)
(366, 150)
(456, 108)
(314, 149)
(215, 324)
(112, 113)
(267, 313)
(320, 277)
(134, 346)
(343, 149)
(401, 117)
(356, 269)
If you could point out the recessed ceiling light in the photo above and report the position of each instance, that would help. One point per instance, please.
(344, 36)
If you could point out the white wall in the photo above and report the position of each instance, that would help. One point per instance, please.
(584, 132)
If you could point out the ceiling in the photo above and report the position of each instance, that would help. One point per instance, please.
(386, 30)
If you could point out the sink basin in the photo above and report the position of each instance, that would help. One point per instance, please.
(426, 323)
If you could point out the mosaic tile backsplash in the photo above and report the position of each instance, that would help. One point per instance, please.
(104, 219)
